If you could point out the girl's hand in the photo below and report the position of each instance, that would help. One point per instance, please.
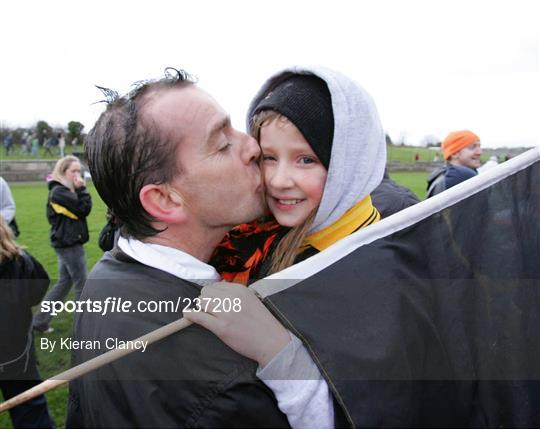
(251, 330)
(78, 182)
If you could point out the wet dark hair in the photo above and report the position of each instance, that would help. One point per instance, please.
(126, 150)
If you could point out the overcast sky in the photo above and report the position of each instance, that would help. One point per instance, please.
(431, 66)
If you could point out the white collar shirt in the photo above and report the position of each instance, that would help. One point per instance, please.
(173, 261)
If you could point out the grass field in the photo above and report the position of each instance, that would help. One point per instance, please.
(414, 180)
(31, 201)
(406, 154)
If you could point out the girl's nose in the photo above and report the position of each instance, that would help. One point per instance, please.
(280, 177)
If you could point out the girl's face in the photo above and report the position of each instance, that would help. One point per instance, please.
(73, 172)
(293, 175)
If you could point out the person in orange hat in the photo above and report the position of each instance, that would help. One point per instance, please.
(462, 151)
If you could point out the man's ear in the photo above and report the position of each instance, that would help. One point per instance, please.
(163, 203)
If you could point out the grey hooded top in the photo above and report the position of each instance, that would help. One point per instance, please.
(358, 155)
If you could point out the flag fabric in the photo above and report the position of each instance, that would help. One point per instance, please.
(432, 316)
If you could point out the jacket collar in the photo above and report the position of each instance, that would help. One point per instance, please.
(173, 261)
(359, 216)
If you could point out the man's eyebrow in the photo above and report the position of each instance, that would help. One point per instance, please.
(226, 121)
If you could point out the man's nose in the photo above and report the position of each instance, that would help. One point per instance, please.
(250, 150)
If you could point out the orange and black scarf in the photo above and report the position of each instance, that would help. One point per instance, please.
(240, 255)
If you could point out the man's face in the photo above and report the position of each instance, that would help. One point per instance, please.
(220, 180)
(469, 156)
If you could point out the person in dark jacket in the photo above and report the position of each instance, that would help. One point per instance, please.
(109, 233)
(23, 284)
(68, 205)
(462, 151)
(168, 163)
(389, 197)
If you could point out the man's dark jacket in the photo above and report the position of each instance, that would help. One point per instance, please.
(67, 212)
(189, 379)
(445, 177)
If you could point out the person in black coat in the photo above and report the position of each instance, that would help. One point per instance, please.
(68, 205)
(177, 182)
(389, 197)
(24, 282)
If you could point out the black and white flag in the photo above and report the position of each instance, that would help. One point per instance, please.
(431, 316)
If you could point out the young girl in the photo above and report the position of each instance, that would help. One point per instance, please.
(323, 153)
(68, 205)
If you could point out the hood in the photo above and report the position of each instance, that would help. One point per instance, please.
(358, 157)
(53, 184)
(435, 174)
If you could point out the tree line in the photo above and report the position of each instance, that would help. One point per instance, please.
(73, 133)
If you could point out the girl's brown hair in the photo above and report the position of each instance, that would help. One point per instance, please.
(8, 247)
(288, 247)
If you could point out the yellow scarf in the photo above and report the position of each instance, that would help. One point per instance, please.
(358, 216)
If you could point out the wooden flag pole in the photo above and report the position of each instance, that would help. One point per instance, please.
(89, 366)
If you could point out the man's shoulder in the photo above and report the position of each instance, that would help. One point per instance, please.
(117, 266)
(155, 299)
(460, 170)
(189, 378)
(134, 299)
(436, 181)
(389, 197)
(457, 173)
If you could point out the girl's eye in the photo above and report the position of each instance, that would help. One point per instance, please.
(268, 158)
(307, 160)
(225, 148)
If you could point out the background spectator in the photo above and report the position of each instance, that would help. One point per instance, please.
(61, 144)
(35, 144)
(462, 151)
(8, 143)
(24, 282)
(68, 206)
(7, 206)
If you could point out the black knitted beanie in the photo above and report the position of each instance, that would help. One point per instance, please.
(305, 100)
